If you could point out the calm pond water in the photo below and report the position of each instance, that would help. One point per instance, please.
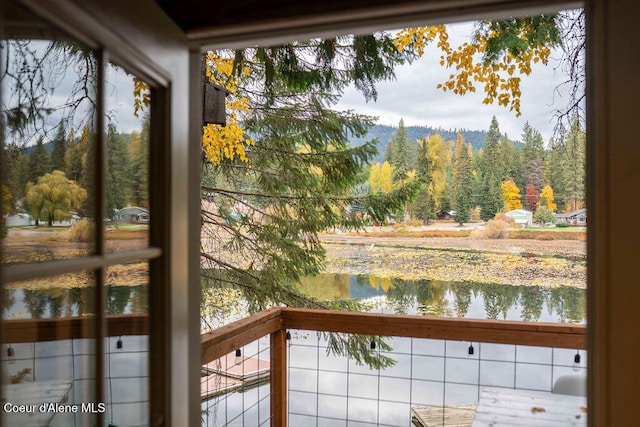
(424, 297)
(453, 299)
(22, 303)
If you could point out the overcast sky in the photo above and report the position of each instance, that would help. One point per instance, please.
(414, 97)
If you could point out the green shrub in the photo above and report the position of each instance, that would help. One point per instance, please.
(544, 215)
(563, 225)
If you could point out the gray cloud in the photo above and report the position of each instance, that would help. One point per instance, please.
(414, 97)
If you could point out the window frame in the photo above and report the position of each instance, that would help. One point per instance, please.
(613, 248)
(109, 48)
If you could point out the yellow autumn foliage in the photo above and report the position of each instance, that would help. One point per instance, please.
(500, 80)
(381, 177)
(231, 140)
(546, 198)
(511, 196)
(218, 142)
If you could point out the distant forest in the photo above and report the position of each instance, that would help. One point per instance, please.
(384, 133)
(51, 179)
(478, 174)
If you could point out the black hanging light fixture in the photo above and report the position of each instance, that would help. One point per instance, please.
(471, 349)
(238, 358)
(119, 344)
(576, 361)
(10, 351)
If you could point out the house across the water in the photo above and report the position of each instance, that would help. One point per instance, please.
(134, 214)
(521, 216)
(578, 217)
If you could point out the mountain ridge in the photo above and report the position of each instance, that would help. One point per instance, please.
(383, 134)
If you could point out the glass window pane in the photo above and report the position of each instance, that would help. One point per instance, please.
(69, 295)
(52, 360)
(127, 212)
(47, 99)
(127, 347)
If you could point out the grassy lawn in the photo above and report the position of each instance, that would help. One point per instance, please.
(557, 229)
(128, 227)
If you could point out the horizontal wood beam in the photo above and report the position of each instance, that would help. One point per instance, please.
(37, 330)
(472, 330)
(228, 338)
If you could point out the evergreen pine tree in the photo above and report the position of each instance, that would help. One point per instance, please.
(117, 182)
(492, 199)
(403, 153)
(15, 173)
(533, 156)
(390, 151)
(464, 182)
(87, 150)
(510, 163)
(73, 158)
(575, 162)
(424, 205)
(139, 155)
(59, 149)
(556, 174)
(302, 169)
(567, 165)
(38, 164)
(491, 195)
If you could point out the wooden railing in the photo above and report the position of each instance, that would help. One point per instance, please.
(37, 330)
(276, 321)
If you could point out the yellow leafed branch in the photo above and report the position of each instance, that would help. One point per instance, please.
(500, 79)
(219, 142)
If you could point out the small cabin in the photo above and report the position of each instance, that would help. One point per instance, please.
(578, 218)
(133, 214)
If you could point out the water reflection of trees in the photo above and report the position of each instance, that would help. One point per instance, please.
(569, 303)
(432, 298)
(117, 299)
(326, 287)
(498, 299)
(437, 298)
(36, 302)
(462, 297)
(532, 300)
(69, 302)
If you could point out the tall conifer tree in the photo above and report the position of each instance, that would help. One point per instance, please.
(464, 182)
(533, 157)
(59, 149)
(118, 179)
(402, 152)
(38, 161)
(491, 195)
(302, 170)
